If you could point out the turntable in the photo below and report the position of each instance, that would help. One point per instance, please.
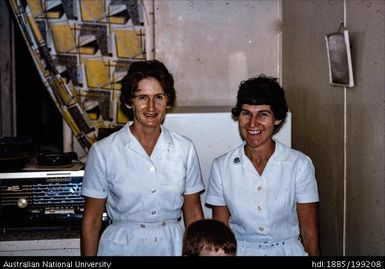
(67, 161)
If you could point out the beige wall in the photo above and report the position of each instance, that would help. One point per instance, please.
(318, 119)
(211, 46)
(366, 129)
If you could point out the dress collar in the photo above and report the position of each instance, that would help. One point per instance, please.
(128, 140)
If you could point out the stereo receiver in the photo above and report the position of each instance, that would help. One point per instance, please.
(41, 200)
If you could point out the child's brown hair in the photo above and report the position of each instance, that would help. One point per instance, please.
(210, 234)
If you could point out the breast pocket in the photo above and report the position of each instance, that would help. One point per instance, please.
(172, 172)
(281, 196)
(172, 177)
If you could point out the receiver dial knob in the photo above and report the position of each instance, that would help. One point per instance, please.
(22, 202)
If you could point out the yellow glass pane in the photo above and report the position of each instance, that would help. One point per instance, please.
(87, 50)
(93, 10)
(63, 38)
(97, 74)
(53, 14)
(127, 43)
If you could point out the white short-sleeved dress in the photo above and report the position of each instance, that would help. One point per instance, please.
(263, 207)
(144, 194)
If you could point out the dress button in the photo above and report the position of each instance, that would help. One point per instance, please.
(153, 212)
(152, 168)
(163, 224)
(142, 226)
(153, 191)
(259, 188)
(261, 229)
(259, 208)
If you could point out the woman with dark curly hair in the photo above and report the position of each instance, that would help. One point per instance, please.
(266, 192)
(144, 174)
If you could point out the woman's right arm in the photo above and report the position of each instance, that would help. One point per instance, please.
(91, 226)
(221, 213)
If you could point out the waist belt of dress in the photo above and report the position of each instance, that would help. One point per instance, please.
(144, 225)
(267, 243)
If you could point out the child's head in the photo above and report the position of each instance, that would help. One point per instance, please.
(209, 237)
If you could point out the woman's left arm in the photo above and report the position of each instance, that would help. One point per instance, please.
(192, 208)
(308, 223)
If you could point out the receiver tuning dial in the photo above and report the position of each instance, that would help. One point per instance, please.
(22, 202)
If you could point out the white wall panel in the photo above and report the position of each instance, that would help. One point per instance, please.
(210, 46)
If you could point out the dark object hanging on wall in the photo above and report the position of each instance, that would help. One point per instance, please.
(14, 153)
(339, 58)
